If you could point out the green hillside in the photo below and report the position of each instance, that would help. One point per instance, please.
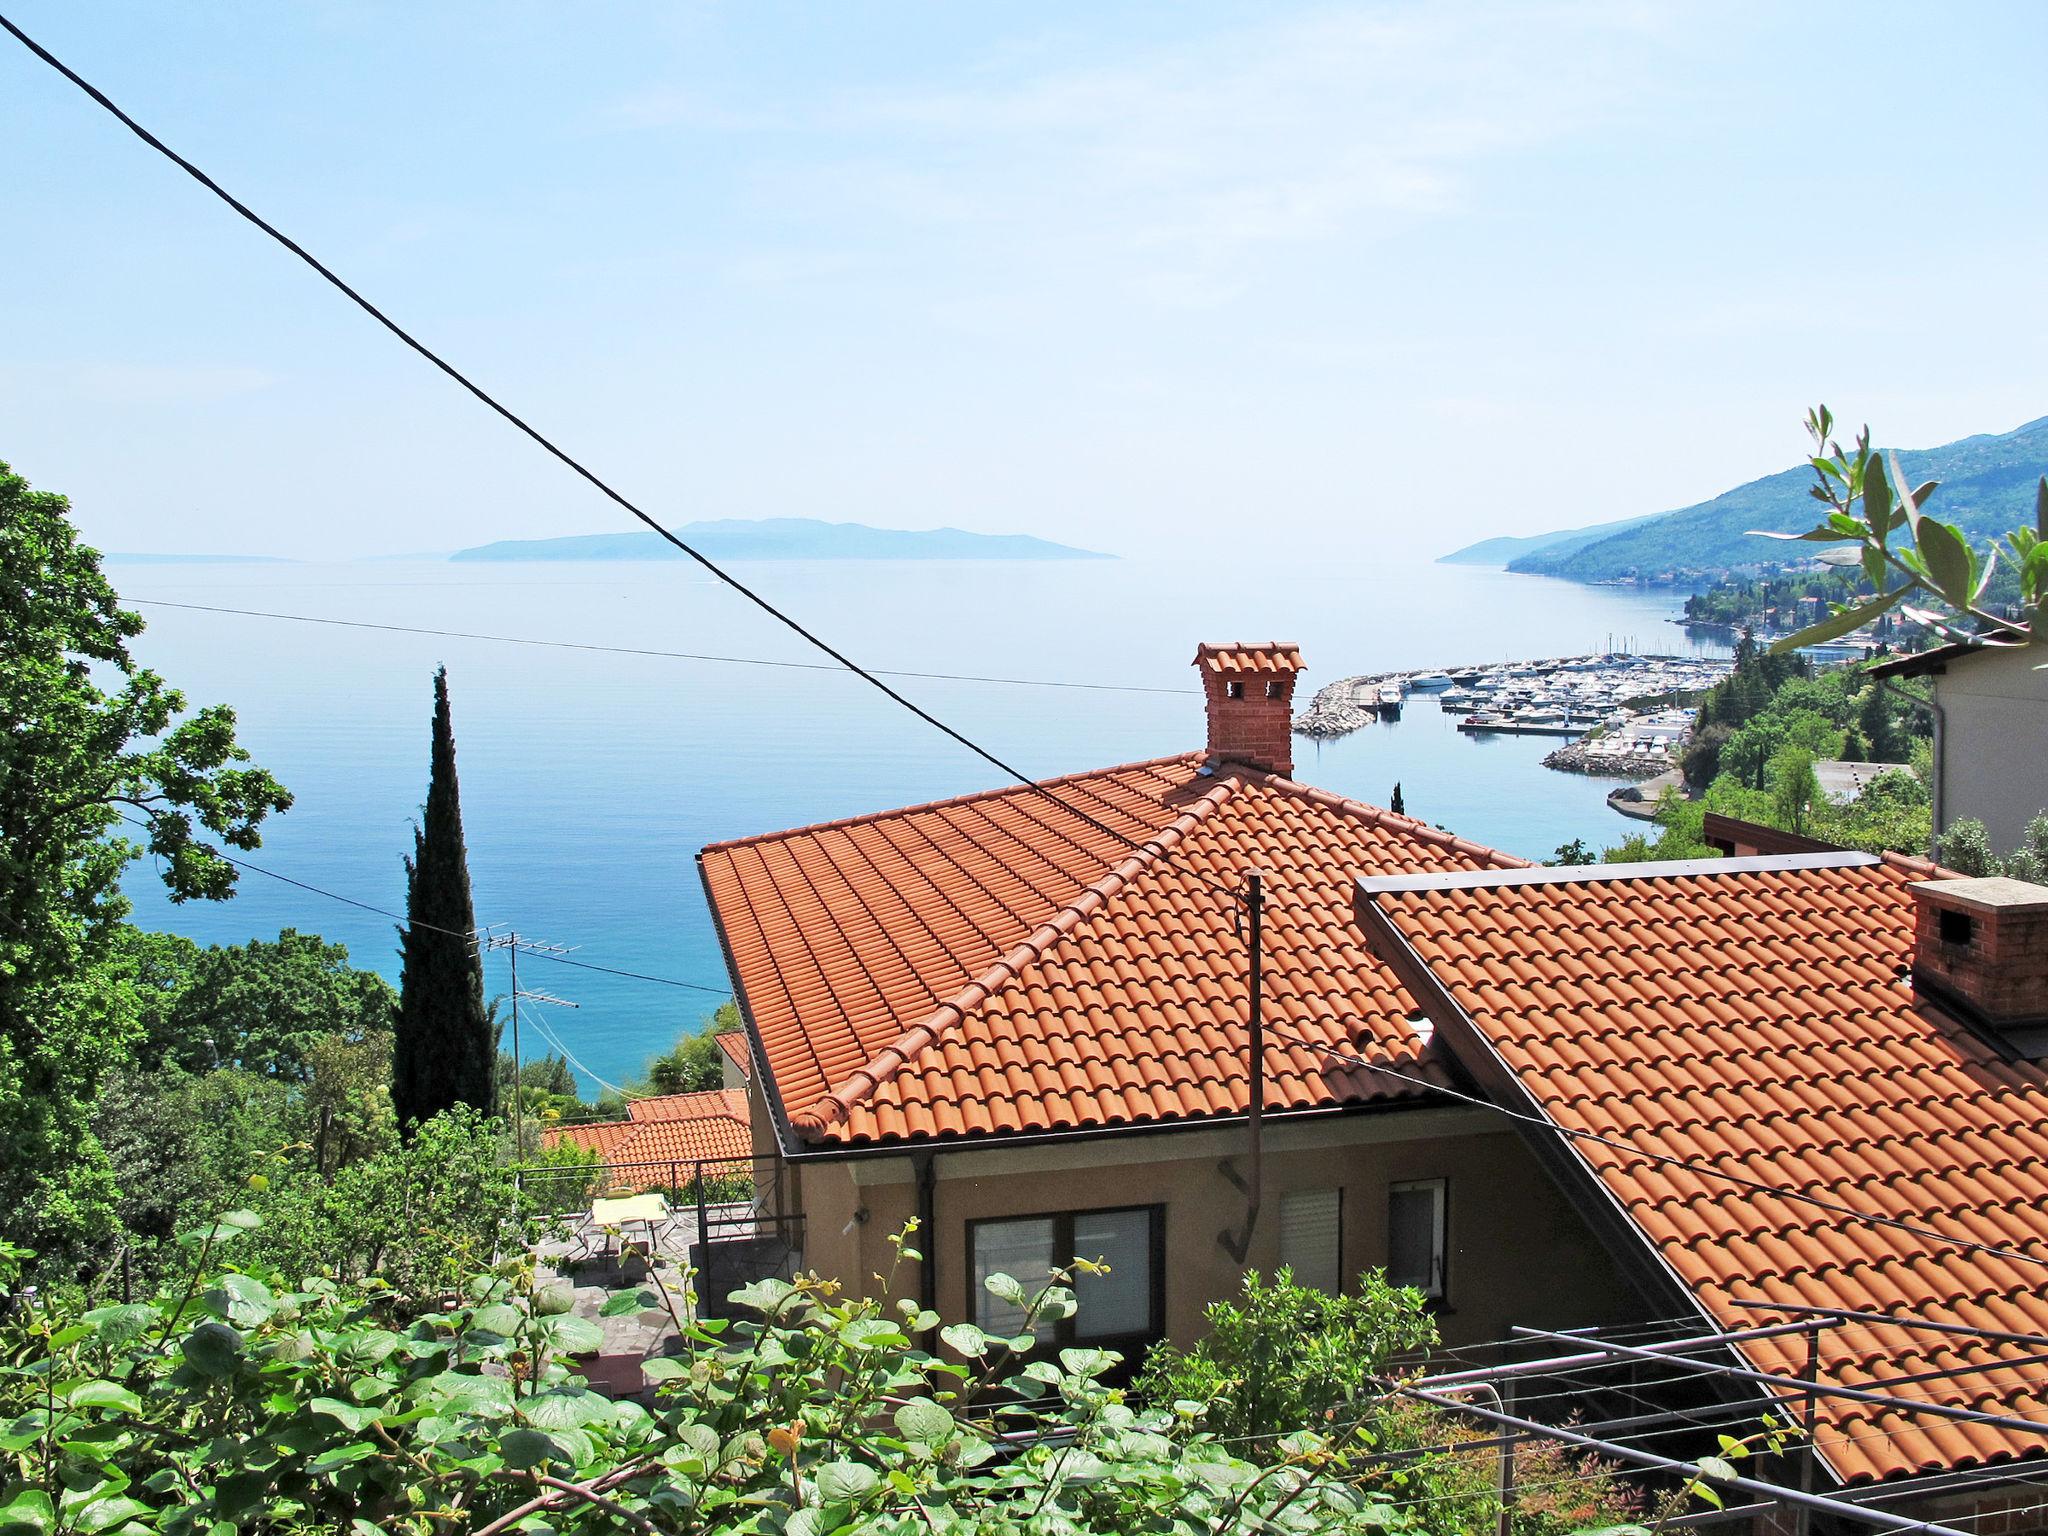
(1511, 547)
(1987, 486)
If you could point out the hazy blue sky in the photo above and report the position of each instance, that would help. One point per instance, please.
(1363, 278)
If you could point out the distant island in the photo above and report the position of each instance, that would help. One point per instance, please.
(786, 538)
(1987, 486)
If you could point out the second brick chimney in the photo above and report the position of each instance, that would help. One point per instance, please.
(1982, 946)
(1250, 691)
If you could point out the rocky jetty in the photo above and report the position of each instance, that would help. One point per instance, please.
(1575, 758)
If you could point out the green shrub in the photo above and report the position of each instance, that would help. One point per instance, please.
(233, 1403)
(1282, 1355)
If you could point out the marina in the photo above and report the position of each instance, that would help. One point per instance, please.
(1626, 715)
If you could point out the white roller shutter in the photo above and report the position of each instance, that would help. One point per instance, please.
(1312, 1237)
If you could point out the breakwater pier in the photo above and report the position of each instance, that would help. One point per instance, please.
(1626, 714)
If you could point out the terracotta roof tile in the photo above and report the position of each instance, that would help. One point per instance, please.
(734, 1043)
(1805, 1063)
(995, 965)
(672, 1127)
(1264, 657)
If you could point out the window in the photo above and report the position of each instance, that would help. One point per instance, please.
(1415, 1235)
(1022, 1250)
(1312, 1237)
(1234, 689)
(1273, 689)
(1125, 1303)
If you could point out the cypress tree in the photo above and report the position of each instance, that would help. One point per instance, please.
(445, 1050)
(1399, 806)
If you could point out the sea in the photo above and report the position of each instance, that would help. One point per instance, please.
(593, 767)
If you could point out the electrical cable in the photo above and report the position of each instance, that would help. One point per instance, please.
(399, 917)
(561, 455)
(1665, 1159)
(633, 650)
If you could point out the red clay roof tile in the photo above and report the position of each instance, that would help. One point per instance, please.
(1107, 984)
(667, 1128)
(1808, 1066)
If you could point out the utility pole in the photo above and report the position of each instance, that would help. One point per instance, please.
(1255, 912)
(512, 943)
(1238, 1244)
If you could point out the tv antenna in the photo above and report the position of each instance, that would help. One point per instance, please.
(512, 943)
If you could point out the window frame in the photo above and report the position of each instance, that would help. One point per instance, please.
(1440, 1254)
(1063, 1334)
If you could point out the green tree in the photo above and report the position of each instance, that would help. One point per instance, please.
(445, 1048)
(264, 1005)
(91, 741)
(1398, 805)
(1877, 723)
(1279, 1355)
(695, 1062)
(1795, 788)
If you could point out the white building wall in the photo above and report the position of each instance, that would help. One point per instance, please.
(1994, 706)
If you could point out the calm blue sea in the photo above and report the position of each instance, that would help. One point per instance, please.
(589, 780)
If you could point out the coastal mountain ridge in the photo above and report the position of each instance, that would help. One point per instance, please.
(787, 538)
(1987, 488)
(1510, 547)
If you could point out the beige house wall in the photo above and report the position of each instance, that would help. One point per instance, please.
(1994, 707)
(1516, 1252)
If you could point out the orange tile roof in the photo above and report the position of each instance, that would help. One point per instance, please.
(996, 965)
(1757, 1020)
(734, 1043)
(671, 1127)
(1264, 657)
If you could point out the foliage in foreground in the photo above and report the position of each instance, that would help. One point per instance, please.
(1280, 1356)
(1879, 528)
(233, 1402)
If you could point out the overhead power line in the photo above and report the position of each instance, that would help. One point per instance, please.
(1665, 1159)
(400, 917)
(564, 457)
(631, 650)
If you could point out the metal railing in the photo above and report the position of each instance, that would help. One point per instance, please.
(730, 1209)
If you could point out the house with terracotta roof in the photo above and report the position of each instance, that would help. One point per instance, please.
(666, 1136)
(736, 1060)
(1021, 1019)
(1807, 1080)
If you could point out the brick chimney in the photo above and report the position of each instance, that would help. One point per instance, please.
(1250, 689)
(1981, 946)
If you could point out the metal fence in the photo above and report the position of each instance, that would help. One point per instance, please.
(727, 1215)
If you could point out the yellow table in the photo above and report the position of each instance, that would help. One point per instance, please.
(649, 1211)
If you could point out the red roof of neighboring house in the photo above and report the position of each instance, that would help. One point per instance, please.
(670, 1127)
(996, 964)
(1757, 1019)
(734, 1043)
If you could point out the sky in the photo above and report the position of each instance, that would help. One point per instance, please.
(1302, 282)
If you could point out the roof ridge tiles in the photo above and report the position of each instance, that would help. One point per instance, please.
(869, 818)
(1376, 815)
(833, 1106)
